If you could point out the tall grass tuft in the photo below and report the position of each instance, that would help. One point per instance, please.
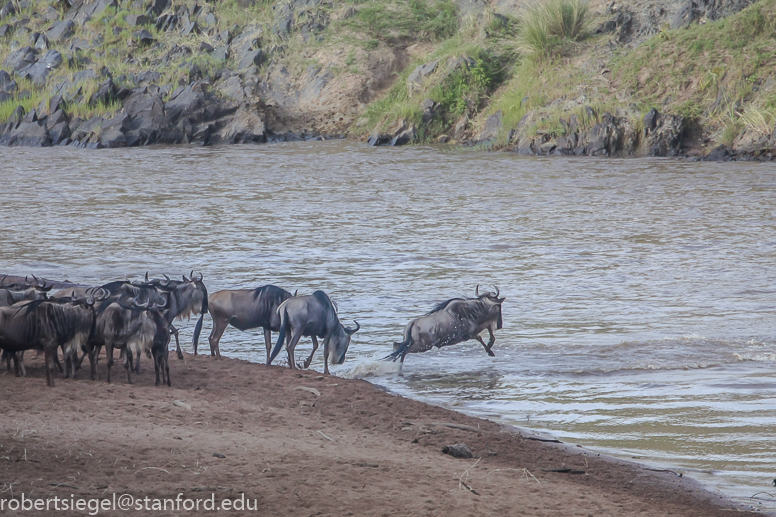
(547, 25)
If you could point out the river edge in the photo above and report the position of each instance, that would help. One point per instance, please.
(301, 443)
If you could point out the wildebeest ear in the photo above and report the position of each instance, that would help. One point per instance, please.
(501, 300)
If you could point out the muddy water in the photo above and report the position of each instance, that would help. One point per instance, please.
(640, 293)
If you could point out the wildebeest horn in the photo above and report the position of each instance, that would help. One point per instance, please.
(497, 291)
(168, 279)
(146, 276)
(72, 296)
(477, 291)
(46, 288)
(200, 277)
(103, 294)
(296, 292)
(138, 304)
(2, 282)
(350, 331)
(184, 278)
(162, 305)
(191, 275)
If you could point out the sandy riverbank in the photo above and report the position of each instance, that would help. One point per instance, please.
(301, 443)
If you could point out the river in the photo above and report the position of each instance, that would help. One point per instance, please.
(640, 293)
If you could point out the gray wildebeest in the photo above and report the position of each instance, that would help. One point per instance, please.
(313, 316)
(451, 322)
(184, 299)
(134, 328)
(46, 325)
(245, 309)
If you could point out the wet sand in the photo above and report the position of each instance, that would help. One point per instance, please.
(301, 443)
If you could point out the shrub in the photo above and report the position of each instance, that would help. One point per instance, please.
(544, 26)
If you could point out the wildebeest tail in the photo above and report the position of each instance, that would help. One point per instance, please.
(401, 351)
(198, 326)
(281, 336)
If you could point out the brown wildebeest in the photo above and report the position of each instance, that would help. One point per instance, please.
(245, 309)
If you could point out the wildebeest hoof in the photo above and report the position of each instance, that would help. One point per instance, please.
(180, 355)
(459, 450)
(490, 353)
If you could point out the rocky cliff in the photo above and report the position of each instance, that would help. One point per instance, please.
(683, 77)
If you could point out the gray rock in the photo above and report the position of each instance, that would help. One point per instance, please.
(650, 121)
(51, 14)
(252, 57)
(41, 42)
(190, 28)
(5, 80)
(429, 107)
(158, 6)
(492, 127)
(52, 59)
(112, 132)
(84, 75)
(99, 6)
(61, 30)
(403, 138)
(58, 133)
(378, 138)
(5, 30)
(204, 47)
(459, 450)
(37, 73)
(134, 20)
(17, 115)
(148, 77)
(221, 53)
(7, 10)
(665, 139)
(105, 94)
(21, 59)
(420, 73)
(143, 37)
(30, 134)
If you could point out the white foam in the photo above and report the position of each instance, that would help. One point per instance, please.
(372, 367)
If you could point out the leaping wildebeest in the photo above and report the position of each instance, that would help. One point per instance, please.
(313, 316)
(451, 322)
(245, 309)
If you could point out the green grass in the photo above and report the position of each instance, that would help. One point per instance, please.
(546, 26)
(404, 19)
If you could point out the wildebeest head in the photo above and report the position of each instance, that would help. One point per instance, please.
(493, 300)
(340, 341)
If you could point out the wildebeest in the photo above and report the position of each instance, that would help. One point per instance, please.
(245, 309)
(13, 293)
(313, 316)
(184, 299)
(451, 322)
(134, 328)
(46, 325)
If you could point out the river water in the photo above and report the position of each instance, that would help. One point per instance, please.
(640, 294)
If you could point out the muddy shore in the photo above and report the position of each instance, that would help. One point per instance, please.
(301, 443)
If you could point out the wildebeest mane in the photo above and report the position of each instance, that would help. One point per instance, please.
(324, 299)
(268, 298)
(444, 304)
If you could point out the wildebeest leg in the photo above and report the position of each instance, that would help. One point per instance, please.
(326, 356)
(268, 341)
(486, 347)
(15, 358)
(20, 355)
(178, 346)
(310, 359)
(51, 352)
(137, 365)
(157, 366)
(109, 355)
(290, 349)
(92, 351)
(57, 363)
(7, 356)
(128, 365)
(219, 326)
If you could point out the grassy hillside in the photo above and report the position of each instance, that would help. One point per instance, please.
(372, 66)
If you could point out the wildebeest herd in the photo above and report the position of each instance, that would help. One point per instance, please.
(137, 317)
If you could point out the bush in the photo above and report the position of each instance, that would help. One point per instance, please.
(544, 26)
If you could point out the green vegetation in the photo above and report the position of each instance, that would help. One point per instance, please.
(712, 73)
(405, 19)
(549, 25)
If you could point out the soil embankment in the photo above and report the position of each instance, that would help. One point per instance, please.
(301, 443)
